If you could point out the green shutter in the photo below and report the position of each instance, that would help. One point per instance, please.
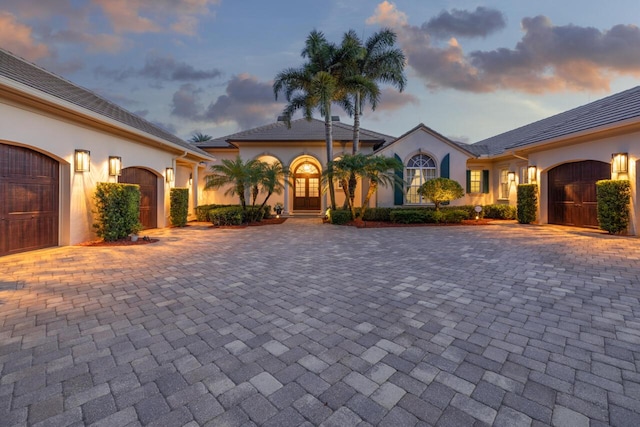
(398, 191)
(444, 167)
(468, 181)
(485, 181)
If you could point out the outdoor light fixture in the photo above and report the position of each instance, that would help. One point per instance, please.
(620, 163)
(532, 172)
(82, 160)
(115, 166)
(190, 179)
(169, 174)
(512, 176)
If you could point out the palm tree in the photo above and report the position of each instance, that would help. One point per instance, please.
(317, 85)
(200, 137)
(271, 179)
(377, 170)
(378, 61)
(238, 174)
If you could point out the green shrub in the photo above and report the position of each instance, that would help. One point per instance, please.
(377, 214)
(470, 210)
(229, 215)
(117, 209)
(454, 216)
(613, 205)
(411, 216)
(441, 190)
(527, 203)
(267, 212)
(339, 216)
(252, 214)
(179, 206)
(499, 211)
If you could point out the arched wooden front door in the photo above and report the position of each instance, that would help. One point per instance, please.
(29, 198)
(572, 192)
(306, 187)
(148, 183)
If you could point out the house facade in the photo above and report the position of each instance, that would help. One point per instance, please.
(564, 155)
(58, 140)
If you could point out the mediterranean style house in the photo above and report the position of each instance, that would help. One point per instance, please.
(58, 140)
(564, 155)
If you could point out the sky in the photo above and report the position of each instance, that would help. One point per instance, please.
(474, 69)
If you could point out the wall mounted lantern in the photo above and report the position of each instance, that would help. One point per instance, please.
(532, 173)
(82, 160)
(169, 175)
(512, 176)
(620, 163)
(115, 166)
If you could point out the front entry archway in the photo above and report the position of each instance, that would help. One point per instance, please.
(148, 183)
(306, 187)
(572, 192)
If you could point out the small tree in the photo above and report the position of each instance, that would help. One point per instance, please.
(613, 205)
(441, 190)
(179, 206)
(527, 203)
(117, 210)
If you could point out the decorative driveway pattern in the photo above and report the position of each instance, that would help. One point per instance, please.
(310, 324)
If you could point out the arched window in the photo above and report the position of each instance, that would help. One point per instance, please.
(420, 169)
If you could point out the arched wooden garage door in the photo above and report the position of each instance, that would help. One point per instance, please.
(29, 197)
(148, 183)
(572, 192)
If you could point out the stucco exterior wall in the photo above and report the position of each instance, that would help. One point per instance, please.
(59, 138)
(421, 141)
(597, 149)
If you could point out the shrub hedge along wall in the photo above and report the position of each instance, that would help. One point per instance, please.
(527, 203)
(117, 210)
(179, 208)
(613, 205)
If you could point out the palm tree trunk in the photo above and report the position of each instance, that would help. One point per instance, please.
(328, 129)
(355, 147)
(373, 186)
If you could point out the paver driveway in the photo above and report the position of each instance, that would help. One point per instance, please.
(311, 324)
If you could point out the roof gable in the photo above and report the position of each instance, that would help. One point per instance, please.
(465, 148)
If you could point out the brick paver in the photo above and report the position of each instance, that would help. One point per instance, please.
(311, 324)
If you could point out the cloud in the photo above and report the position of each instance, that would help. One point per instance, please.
(247, 102)
(143, 16)
(160, 68)
(548, 58)
(18, 38)
(462, 23)
(186, 102)
(391, 100)
(95, 42)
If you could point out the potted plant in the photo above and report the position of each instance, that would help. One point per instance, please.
(135, 230)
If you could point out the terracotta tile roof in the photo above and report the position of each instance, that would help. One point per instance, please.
(612, 109)
(19, 70)
(301, 130)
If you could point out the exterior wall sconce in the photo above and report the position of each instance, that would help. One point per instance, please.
(169, 175)
(620, 163)
(512, 176)
(82, 160)
(115, 166)
(190, 179)
(532, 172)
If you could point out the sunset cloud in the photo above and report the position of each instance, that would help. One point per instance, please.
(548, 58)
(391, 100)
(462, 23)
(18, 38)
(160, 68)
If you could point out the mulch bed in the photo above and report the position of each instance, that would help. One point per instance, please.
(121, 242)
(266, 221)
(384, 224)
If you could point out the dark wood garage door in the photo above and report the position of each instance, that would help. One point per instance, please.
(572, 192)
(148, 183)
(29, 197)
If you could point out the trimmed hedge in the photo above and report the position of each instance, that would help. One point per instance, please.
(202, 211)
(339, 216)
(411, 216)
(527, 203)
(377, 214)
(179, 208)
(499, 211)
(613, 205)
(117, 209)
(470, 210)
(229, 215)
